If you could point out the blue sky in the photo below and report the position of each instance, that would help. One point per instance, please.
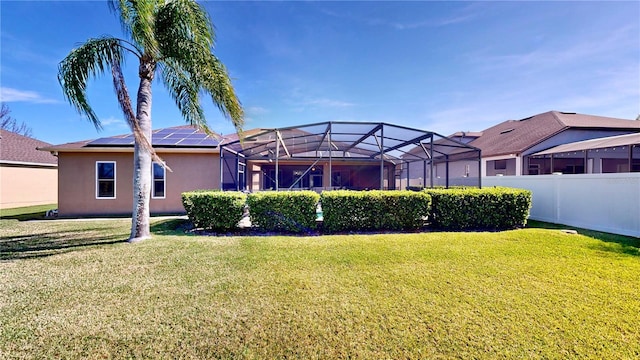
(439, 66)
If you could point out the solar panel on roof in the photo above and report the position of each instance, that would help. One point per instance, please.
(162, 133)
(112, 141)
(171, 137)
(189, 142)
(163, 137)
(177, 130)
(164, 142)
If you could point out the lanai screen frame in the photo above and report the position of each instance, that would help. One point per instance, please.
(345, 141)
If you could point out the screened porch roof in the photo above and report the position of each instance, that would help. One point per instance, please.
(599, 143)
(348, 140)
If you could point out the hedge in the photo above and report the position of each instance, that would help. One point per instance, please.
(496, 208)
(212, 209)
(291, 211)
(345, 210)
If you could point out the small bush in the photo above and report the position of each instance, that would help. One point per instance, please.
(216, 210)
(291, 211)
(345, 210)
(481, 209)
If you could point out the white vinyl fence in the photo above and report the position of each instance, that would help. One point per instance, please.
(603, 202)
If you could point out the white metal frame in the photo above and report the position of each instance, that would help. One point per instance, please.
(153, 181)
(97, 180)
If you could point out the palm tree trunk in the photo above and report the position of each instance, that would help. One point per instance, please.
(142, 158)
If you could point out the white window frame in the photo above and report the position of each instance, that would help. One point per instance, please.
(153, 181)
(97, 181)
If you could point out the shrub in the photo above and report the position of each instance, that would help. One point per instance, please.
(216, 210)
(495, 208)
(292, 211)
(345, 210)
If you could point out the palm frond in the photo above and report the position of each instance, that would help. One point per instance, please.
(122, 93)
(87, 61)
(180, 24)
(216, 82)
(184, 92)
(186, 38)
(202, 71)
(137, 19)
(124, 11)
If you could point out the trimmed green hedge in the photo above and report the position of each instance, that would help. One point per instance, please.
(212, 209)
(291, 211)
(345, 210)
(496, 208)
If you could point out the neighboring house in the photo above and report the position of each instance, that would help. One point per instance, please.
(27, 176)
(518, 147)
(95, 176)
(612, 154)
(551, 142)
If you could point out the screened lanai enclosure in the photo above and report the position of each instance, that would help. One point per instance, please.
(345, 155)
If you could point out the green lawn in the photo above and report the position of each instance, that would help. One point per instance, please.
(27, 212)
(76, 290)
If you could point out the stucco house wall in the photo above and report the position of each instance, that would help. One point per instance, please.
(27, 185)
(77, 185)
(27, 176)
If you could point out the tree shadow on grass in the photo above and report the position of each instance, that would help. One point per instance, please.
(175, 227)
(626, 244)
(43, 244)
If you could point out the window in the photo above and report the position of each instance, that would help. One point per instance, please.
(105, 180)
(158, 186)
(500, 165)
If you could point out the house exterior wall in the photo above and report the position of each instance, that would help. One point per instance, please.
(77, 182)
(523, 166)
(27, 185)
(501, 167)
(461, 173)
(513, 164)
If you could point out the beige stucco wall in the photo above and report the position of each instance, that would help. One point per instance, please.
(77, 182)
(22, 185)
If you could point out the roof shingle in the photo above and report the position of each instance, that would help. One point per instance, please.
(516, 136)
(22, 149)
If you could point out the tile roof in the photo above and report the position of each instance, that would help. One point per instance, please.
(22, 149)
(516, 136)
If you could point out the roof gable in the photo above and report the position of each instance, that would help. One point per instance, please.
(23, 149)
(593, 121)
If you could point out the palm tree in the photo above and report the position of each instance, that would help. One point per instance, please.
(174, 38)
